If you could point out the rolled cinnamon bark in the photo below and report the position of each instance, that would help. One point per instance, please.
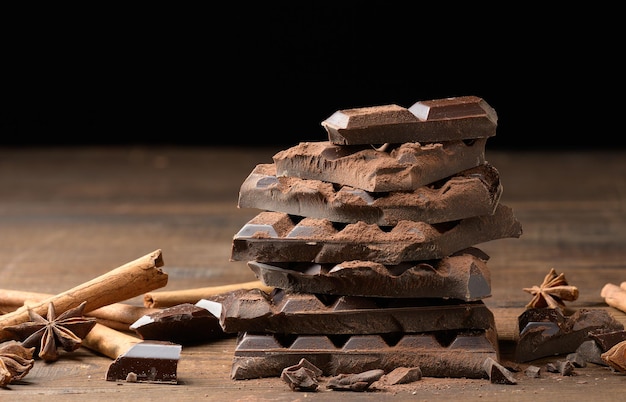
(125, 282)
(118, 316)
(174, 297)
(109, 342)
(615, 296)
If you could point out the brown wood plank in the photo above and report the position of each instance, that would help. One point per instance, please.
(68, 215)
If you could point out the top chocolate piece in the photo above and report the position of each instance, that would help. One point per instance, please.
(448, 119)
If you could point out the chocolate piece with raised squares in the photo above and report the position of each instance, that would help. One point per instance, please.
(426, 121)
(184, 324)
(403, 167)
(454, 354)
(472, 192)
(306, 313)
(462, 276)
(279, 237)
(147, 361)
(548, 332)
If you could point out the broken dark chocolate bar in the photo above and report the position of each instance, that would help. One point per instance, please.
(147, 361)
(472, 192)
(453, 354)
(426, 121)
(462, 276)
(184, 324)
(406, 167)
(279, 237)
(547, 332)
(305, 313)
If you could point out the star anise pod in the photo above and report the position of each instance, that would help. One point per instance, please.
(15, 362)
(48, 334)
(552, 292)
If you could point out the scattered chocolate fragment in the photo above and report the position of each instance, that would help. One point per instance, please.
(616, 357)
(563, 367)
(306, 313)
(472, 192)
(541, 339)
(533, 371)
(591, 352)
(354, 382)
(497, 373)
(438, 354)
(403, 375)
(576, 359)
(463, 275)
(15, 361)
(403, 167)
(302, 376)
(148, 361)
(278, 237)
(427, 121)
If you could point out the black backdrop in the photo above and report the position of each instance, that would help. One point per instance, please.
(267, 74)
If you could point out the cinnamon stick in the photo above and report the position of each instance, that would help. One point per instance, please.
(615, 296)
(108, 342)
(173, 297)
(118, 316)
(127, 281)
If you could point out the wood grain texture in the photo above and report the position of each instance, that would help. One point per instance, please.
(71, 214)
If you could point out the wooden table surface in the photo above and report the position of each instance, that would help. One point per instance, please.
(68, 215)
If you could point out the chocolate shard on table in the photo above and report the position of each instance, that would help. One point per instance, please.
(306, 313)
(436, 120)
(147, 361)
(279, 237)
(454, 354)
(401, 167)
(547, 332)
(184, 323)
(472, 192)
(463, 276)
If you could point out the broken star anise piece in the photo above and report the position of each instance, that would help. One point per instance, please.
(48, 334)
(552, 292)
(15, 362)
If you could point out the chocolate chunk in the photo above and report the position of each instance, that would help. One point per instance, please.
(606, 339)
(302, 376)
(563, 367)
(497, 373)
(576, 359)
(305, 313)
(403, 375)
(438, 354)
(426, 121)
(184, 323)
(147, 361)
(533, 371)
(590, 352)
(278, 237)
(354, 382)
(462, 276)
(404, 167)
(542, 340)
(472, 192)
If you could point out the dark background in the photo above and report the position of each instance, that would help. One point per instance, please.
(267, 74)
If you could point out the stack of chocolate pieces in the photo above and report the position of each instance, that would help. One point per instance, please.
(369, 241)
